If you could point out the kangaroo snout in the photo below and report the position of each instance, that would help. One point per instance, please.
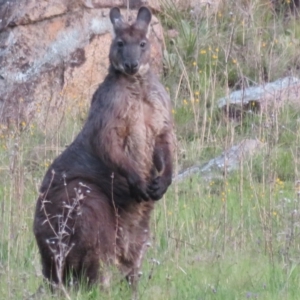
(131, 67)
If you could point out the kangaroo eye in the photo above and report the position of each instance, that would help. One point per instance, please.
(120, 44)
(143, 44)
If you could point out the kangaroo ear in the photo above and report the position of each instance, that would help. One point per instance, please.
(115, 16)
(144, 16)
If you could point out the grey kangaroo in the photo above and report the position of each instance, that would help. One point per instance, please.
(96, 198)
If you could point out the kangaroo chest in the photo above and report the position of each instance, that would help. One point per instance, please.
(142, 119)
(142, 116)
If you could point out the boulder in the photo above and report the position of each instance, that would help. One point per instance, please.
(262, 97)
(228, 161)
(53, 52)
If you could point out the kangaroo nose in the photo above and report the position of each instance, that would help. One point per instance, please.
(131, 67)
(134, 65)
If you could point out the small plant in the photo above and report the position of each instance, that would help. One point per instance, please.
(60, 245)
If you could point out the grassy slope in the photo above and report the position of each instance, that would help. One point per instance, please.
(235, 237)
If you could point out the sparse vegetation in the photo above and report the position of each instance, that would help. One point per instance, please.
(232, 237)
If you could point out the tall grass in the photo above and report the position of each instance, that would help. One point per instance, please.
(233, 236)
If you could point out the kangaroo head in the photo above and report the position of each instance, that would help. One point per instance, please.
(130, 48)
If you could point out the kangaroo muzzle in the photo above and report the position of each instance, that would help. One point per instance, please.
(131, 67)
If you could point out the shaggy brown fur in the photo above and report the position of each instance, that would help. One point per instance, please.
(97, 196)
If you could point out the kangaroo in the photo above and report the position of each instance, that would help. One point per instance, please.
(96, 198)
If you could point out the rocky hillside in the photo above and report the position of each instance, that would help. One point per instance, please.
(56, 51)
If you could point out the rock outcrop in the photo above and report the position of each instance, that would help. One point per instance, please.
(228, 161)
(262, 97)
(56, 51)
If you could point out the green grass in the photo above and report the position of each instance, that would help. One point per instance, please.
(235, 236)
